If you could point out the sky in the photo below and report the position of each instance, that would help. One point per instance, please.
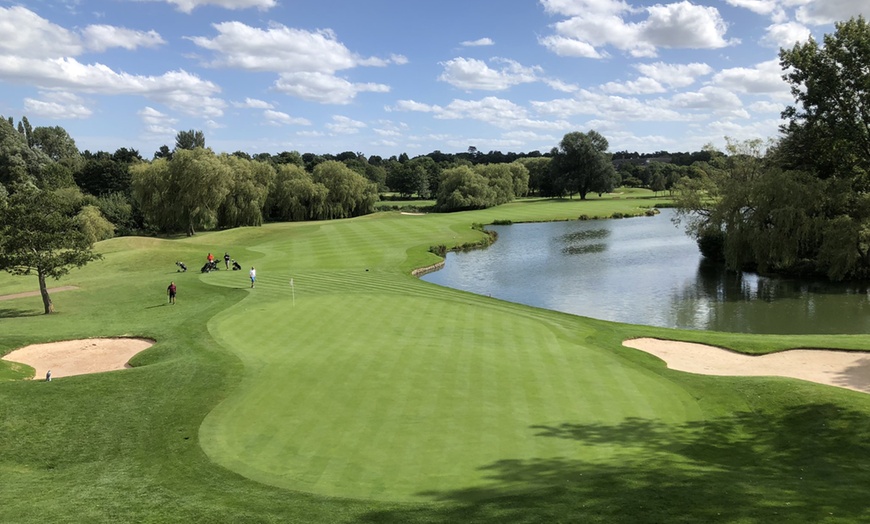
(385, 77)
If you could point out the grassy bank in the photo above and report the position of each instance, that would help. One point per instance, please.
(361, 394)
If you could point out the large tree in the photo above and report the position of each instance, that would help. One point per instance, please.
(581, 164)
(41, 232)
(828, 136)
(182, 194)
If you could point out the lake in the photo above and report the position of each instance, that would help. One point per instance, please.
(645, 270)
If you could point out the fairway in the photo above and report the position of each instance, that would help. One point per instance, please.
(363, 394)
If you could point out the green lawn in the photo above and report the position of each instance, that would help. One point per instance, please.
(362, 394)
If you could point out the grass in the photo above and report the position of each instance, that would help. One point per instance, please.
(362, 394)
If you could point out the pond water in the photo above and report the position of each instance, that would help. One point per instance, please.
(646, 270)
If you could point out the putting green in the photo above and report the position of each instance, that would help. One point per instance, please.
(334, 402)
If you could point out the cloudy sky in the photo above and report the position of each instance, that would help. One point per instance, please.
(391, 76)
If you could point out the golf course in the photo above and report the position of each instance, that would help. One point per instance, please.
(341, 388)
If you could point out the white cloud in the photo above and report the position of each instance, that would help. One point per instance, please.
(760, 7)
(180, 90)
(767, 107)
(58, 105)
(279, 48)
(343, 125)
(187, 6)
(684, 26)
(785, 35)
(279, 118)
(412, 105)
(477, 43)
(158, 126)
(102, 37)
(593, 24)
(818, 12)
(714, 98)
(253, 103)
(470, 73)
(611, 107)
(765, 77)
(674, 75)
(643, 85)
(28, 35)
(492, 110)
(559, 85)
(324, 88)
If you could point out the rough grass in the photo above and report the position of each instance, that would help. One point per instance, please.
(361, 394)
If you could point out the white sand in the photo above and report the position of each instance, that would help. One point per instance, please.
(77, 357)
(845, 369)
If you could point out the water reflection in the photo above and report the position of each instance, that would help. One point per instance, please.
(646, 271)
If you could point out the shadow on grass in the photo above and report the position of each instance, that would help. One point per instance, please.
(804, 464)
(17, 313)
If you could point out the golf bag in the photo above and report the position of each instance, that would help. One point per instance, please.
(236, 266)
(181, 267)
(209, 266)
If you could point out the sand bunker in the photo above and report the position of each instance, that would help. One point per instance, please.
(78, 357)
(845, 369)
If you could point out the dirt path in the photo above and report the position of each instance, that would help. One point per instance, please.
(35, 293)
(844, 369)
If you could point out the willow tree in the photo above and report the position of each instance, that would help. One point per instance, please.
(184, 193)
(249, 187)
(294, 196)
(348, 193)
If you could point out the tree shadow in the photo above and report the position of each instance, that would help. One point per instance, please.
(18, 313)
(803, 464)
(856, 377)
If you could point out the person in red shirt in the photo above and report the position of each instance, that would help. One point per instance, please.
(171, 292)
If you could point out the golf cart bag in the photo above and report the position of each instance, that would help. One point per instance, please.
(181, 267)
(209, 266)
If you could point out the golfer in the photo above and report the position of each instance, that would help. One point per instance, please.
(253, 274)
(171, 292)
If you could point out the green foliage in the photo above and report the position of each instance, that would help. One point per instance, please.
(20, 165)
(40, 233)
(582, 166)
(116, 208)
(94, 225)
(463, 188)
(184, 193)
(248, 189)
(190, 140)
(348, 194)
(294, 195)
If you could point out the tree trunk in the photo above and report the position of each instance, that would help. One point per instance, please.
(43, 290)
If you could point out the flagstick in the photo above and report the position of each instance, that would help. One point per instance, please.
(293, 290)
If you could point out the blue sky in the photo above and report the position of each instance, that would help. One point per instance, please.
(383, 77)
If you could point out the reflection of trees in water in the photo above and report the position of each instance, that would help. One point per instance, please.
(801, 464)
(578, 242)
(723, 300)
(584, 249)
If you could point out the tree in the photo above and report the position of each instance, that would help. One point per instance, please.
(249, 186)
(829, 125)
(182, 194)
(40, 233)
(189, 140)
(20, 165)
(581, 164)
(462, 188)
(348, 193)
